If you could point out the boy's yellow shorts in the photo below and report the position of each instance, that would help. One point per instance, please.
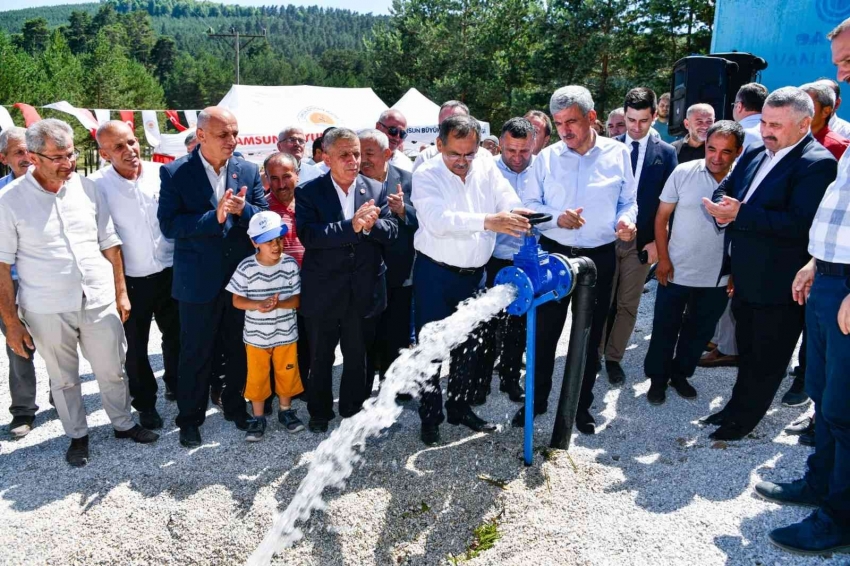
(287, 378)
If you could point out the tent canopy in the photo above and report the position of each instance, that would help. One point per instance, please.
(262, 111)
(422, 115)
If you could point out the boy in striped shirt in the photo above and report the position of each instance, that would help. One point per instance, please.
(267, 287)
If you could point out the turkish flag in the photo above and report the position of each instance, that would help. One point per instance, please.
(127, 118)
(30, 114)
(175, 120)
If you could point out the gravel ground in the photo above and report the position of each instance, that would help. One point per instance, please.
(648, 488)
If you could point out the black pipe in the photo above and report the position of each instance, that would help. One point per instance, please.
(584, 300)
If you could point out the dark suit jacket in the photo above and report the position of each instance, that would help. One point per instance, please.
(769, 239)
(206, 253)
(658, 163)
(399, 254)
(341, 268)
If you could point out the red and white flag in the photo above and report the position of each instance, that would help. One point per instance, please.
(151, 127)
(85, 117)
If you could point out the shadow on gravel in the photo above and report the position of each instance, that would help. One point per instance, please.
(435, 496)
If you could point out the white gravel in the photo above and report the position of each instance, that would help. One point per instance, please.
(648, 488)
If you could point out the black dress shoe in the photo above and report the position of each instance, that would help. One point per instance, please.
(430, 435)
(793, 493)
(616, 375)
(796, 394)
(714, 419)
(514, 391)
(150, 419)
(807, 438)
(683, 388)
(78, 453)
(21, 426)
(806, 424)
(138, 434)
(190, 436)
(657, 393)
(585, 423)
(729, 431)
(471, 421)
(317, 425)
(241, 420)
(519, 418)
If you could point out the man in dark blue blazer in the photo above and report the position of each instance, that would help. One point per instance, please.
(652, 163)
(206, 201)
(344, 223)
(393, 332)
(767, 205)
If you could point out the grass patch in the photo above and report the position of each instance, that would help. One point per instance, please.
(483, 538)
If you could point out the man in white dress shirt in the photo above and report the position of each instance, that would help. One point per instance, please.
(586, 183)
(54, 227)
(130, 189)
(462, 201)
(293, 141)
(394, 125)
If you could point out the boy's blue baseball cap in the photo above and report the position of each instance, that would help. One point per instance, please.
(265, 226)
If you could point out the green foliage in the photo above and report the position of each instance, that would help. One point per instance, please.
(503, 57)
(168, 40)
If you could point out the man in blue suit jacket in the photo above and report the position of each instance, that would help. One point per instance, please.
(343, 221)
(393, 332)
(767, 205)
(652, 163)
(206, 201)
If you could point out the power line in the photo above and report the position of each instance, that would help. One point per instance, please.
(237, 44)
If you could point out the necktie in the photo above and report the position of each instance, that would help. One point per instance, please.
(635, 151)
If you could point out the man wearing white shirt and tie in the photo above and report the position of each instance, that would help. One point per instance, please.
(462, 202)
(130, 188)
(586, 183)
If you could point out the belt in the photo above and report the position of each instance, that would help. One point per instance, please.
(453, 268)
(575, 251)
(832, 269)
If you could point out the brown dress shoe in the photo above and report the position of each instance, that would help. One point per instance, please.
(717, 359)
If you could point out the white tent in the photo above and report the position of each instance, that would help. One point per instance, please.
(262, 111)
(422, 114)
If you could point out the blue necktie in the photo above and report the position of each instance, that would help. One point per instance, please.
(635, 151)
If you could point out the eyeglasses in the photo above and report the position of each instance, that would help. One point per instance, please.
(60, 158)
(395, 132)
(459, 156)
(299, 141)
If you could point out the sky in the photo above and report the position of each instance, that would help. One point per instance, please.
(374, 6)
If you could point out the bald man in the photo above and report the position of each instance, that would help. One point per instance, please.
(393, 123)
(130, 188)
(206, 202)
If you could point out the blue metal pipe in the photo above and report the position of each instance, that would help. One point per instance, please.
(530, 359)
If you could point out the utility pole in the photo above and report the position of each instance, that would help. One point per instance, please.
(237, 45)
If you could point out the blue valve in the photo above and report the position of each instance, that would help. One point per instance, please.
(539, 277)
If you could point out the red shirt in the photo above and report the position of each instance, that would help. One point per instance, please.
(835, 143)
(291, 244)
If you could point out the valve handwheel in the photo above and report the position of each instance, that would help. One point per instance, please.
(536, 218)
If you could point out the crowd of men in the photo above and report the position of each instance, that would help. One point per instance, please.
(747, 223)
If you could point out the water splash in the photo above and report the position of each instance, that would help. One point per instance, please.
(334, 459)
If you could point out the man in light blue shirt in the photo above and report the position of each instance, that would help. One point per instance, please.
(747, 111)
(586, 183)
(13, 154)
(505, 334)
